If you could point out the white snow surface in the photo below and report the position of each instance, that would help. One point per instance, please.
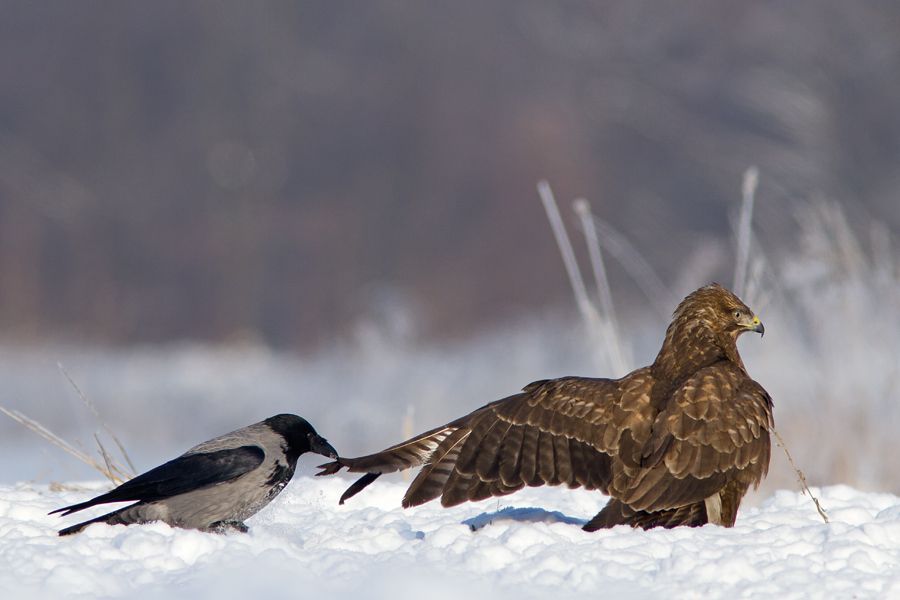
(528, 545)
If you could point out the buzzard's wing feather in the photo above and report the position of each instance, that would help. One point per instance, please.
(511, 457)
(547, 435)
(431, 479)
(617, 513)
(413, 452)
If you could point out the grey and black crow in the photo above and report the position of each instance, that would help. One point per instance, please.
(215, 485)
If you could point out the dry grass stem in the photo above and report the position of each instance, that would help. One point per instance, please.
(800, 476)
(110, 468)
(749, 273)
(744, 230)
(111, 464)
(588, 312)
(104, 454)
(96, 413)
(61, 443)
(613, 340)
(638, 268)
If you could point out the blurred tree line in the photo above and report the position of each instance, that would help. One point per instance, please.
(224, 170)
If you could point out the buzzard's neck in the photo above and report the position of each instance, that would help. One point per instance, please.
(688, 349)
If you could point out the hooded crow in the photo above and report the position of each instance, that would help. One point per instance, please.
(215, 485)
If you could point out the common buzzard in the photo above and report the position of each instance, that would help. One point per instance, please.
(676, 443)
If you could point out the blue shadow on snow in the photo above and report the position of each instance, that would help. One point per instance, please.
(522, 515)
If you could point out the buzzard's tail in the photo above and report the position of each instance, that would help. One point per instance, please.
(617, 513)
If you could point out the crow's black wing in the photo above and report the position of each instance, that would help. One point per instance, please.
(183, 474)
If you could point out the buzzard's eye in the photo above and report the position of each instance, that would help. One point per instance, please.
(737, 314)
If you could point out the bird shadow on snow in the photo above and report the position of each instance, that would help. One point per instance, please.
(522, 515)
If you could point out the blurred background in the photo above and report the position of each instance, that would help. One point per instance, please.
(214, 212)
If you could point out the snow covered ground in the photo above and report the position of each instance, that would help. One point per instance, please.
(528, 545)
(825, 359)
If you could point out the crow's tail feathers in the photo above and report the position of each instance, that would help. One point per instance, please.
(68, 510)
(108, 518)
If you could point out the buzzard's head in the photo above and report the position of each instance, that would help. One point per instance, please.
(718, 311)
(704, 328)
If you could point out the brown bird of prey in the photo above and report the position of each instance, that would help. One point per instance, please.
(676, 443)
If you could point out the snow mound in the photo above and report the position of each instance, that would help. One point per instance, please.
(528, 545)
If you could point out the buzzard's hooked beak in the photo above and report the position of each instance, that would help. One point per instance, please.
(320, 445)
(757, 326)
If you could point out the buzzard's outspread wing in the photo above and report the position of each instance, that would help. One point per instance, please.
(675, 443)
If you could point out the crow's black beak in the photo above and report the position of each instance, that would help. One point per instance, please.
(320, 445)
